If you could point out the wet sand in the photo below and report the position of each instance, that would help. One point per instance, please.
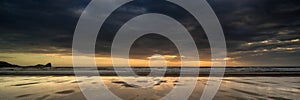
(66, 88)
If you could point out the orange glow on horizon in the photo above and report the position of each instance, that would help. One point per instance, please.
(58, 60)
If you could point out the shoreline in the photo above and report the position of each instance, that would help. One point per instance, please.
(167, 74)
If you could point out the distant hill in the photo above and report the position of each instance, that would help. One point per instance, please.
(6, 64)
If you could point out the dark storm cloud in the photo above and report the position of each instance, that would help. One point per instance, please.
(263, 31)
(38, 24)
(156, 44)
(257, 20)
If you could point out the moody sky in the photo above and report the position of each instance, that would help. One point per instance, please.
(257, 32)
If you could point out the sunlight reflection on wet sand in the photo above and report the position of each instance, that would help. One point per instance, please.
(66, 87)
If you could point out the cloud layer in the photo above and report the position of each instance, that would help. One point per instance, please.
(257, 32)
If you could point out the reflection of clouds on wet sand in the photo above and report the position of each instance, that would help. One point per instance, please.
(157, 82)
(36, 87)
(66, 87)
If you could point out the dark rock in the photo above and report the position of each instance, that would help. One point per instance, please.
(48, 65)
(40, 66)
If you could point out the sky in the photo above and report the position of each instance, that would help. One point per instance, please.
(257, 32)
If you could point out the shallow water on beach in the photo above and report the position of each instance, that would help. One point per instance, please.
(66, 87)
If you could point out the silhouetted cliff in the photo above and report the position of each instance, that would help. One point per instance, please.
(6, 64)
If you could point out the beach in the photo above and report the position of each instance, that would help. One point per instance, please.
(66, 88)
(238, 83)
